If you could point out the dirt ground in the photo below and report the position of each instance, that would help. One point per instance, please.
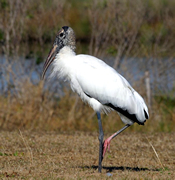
(74, 155)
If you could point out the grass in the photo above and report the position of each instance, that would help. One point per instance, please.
(69, 113)
(74, 155)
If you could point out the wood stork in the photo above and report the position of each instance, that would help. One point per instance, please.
(98, 84)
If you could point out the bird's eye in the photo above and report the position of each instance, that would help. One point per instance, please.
(61, 34)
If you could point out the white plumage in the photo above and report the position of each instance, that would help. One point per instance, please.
(98, 84)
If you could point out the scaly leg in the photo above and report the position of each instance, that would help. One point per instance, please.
(106, 143)
(100, 142)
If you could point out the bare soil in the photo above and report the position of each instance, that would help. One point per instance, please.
(74, 155)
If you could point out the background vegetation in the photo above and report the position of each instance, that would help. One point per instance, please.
(117, 29)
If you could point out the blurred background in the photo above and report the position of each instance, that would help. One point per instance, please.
(137, 38)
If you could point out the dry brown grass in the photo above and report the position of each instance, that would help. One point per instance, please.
(32, 109)
(74, 155)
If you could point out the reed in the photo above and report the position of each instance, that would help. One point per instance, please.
(32, 108)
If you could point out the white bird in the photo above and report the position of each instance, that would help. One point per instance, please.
(98, 84)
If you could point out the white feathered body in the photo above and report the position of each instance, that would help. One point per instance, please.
(99, 85)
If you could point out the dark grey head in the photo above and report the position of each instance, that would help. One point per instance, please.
(65, 37)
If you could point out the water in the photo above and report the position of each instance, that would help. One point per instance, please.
(161, 72)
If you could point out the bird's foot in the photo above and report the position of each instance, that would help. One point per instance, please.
(106, 145)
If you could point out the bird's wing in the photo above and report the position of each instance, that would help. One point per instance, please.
(103, 83)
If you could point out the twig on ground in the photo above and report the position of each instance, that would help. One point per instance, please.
(27, 147)
(155, 153)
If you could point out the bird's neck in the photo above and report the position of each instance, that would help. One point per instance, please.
(63, 62)
(66, 51)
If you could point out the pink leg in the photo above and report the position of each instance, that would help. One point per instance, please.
(106, 144)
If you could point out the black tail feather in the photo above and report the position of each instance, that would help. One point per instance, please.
(127, 114)
(146, 115)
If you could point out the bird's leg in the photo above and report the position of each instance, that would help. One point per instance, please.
(100, 142)
(106, 143)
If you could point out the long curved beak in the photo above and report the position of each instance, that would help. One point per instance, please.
(49, 60)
